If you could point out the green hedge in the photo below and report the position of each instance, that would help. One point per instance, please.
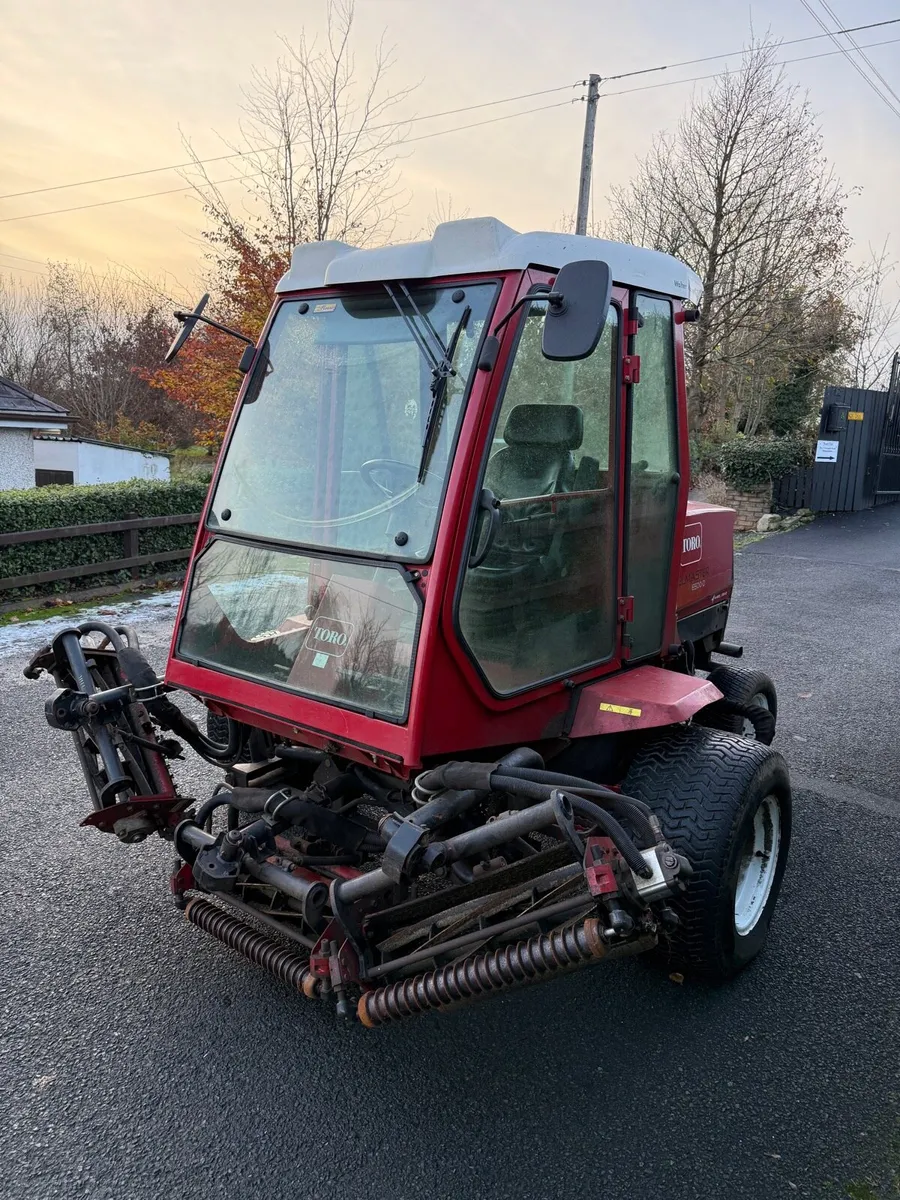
(49, 507)
(749, 463)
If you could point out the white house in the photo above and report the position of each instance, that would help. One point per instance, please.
(35, 448)
(61, 459)
(22, 415)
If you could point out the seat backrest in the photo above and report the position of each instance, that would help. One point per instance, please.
(537, 459)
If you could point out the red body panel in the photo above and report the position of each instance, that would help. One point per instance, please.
(644, 698)
(451, 708)
(706, 565)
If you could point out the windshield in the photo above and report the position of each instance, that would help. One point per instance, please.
(347, 442)
(342, 632)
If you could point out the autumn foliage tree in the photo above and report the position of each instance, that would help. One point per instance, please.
(204, 378)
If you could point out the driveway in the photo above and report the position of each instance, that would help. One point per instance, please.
(143, 1060)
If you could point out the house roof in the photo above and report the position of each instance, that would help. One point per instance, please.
(19, 404)
(56, 437)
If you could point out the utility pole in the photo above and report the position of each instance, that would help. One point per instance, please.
(587, 155)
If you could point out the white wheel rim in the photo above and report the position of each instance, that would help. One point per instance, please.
(759, 862)
(761, 701)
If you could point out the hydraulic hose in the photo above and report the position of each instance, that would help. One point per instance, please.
(138, 672)
(247, 800)
(636, 811)
(558, 780)
(450, 802)
(613, 830)
(537, 792)
(444, 807)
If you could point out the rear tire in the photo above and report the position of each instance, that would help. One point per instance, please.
(724, 802)
(741, 685)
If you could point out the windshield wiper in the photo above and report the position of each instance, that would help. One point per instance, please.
(441, 368)
(440, 375)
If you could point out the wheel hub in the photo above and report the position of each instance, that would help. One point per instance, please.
(758, 864)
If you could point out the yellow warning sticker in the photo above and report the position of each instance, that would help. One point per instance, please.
(621, 710)
(324, 307)
(855, 416)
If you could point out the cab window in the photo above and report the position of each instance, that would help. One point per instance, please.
(542, 601)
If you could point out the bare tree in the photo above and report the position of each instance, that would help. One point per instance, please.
(442, 212)
(878, 321)
(743, 194)
(24, 333)
(317, 150)
(88, 340)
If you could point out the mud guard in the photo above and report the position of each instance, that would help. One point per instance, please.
(645, 698)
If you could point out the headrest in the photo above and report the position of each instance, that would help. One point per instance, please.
(560, 425)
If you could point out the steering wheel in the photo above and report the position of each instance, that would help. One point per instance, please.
(394, 468)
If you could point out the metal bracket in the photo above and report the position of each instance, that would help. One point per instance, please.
(631, 368)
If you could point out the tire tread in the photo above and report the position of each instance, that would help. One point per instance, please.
(695, 779)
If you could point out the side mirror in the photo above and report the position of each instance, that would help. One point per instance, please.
(188, 321)
(577, 311)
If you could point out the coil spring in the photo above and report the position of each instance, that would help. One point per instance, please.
(278, 960)
(480, 974)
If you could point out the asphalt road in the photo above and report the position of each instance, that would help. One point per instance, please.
(140, 1059)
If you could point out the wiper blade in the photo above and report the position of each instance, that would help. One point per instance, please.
(441, 368)
(440, 374)
(426, 321)
(417, 337)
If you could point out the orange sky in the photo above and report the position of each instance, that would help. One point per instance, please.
(103, 87)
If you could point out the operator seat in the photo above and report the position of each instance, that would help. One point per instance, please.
(538, 458)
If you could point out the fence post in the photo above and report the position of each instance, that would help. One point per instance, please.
(130, 544)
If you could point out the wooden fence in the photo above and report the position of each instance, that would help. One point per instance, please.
(130, 561)
(794, 490)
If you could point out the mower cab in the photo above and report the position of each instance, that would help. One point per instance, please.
(450, 520)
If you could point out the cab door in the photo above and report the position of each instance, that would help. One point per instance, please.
(652, 478)
(541, 602)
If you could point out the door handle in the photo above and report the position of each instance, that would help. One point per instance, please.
(487, 502)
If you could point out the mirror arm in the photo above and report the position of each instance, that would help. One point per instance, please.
(542, 292)
(183, 316)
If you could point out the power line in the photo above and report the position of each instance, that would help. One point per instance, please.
(235, 178)
(842, 49)
(783, 62)
(28, 270)
(58, 187)
(853, 42)
(41, 262)
(53, 212)
(690, 62)
(460, 128)
(434, 116)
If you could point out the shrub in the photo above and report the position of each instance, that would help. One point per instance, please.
(706, 454)
(750, 463)
(50, 507)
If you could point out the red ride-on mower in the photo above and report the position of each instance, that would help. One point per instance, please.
(453, 618)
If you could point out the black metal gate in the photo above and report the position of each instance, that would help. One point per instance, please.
(848, 450)
(888, 486)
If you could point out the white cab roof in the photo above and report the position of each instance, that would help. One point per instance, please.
(484, 244)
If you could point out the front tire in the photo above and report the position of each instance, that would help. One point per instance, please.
(724, 802)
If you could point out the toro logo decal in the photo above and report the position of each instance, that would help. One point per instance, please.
(692, 544)
(329, 636)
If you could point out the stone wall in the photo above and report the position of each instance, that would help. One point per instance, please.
(749, 506)
(16, 458)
